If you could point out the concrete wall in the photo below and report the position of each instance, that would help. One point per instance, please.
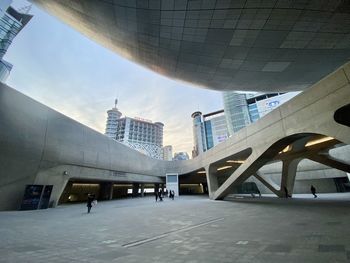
(39, 145)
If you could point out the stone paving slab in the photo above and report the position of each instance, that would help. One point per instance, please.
(188, 229)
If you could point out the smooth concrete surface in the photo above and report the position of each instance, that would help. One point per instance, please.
(270, 45)
(39, 145)
(309, 113)
(188, 229)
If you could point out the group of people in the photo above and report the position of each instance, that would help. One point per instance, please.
(160, 194)
(91, 200)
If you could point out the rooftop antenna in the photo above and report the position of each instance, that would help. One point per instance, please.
(116, 95)
(115, 103)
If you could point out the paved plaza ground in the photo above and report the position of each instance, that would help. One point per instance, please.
(189, 229)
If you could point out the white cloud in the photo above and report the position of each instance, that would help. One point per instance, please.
(81, 79)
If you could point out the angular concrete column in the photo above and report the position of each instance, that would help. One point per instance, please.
(212, 180)
(65, 195)
(135, 189)
(205, 188)
(258, 176)
(106, 191)
(59, 177)
(328, 160)
(142, 190)
(289, 171)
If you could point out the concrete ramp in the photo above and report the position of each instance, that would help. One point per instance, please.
(304, 127)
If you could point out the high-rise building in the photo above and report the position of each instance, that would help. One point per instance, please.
(111, 125)
(11, 23)
(208, 130)
(181, 156)
(236, 111)
(198, 134)
(137, 133)
(215, 128)
(141, 135)
(241, 109)
(167, 152)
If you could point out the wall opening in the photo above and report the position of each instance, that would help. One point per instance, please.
(342, 115)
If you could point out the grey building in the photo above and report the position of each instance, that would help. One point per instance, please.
(11, 23)
(199, 145)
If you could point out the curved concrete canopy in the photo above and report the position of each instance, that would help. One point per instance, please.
(273, 45)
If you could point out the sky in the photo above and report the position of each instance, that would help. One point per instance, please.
(61, 68)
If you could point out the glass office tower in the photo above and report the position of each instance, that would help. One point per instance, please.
(241, 109)
(236, 111)
(208, 131)
(11, 23)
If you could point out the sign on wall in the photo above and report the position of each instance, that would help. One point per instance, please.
(267, 105)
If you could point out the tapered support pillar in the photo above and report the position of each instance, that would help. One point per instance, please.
(258, 176)
(142, 190)
(106, 191)
(135, 189)
(212, 180)
(289, 171)
(205, 188)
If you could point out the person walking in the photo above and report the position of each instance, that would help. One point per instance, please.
(90, 199)
(156, 195)
(313, 191)
(172, 194)
(160, 195)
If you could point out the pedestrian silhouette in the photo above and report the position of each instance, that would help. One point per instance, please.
(171, 194)
(89, 202)
(156, 195)
(160, 195)
(313, 191)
